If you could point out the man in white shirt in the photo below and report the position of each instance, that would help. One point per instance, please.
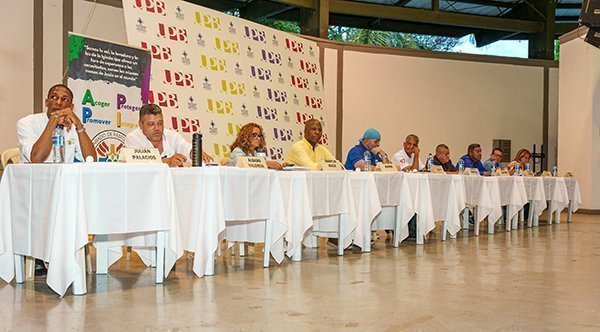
(408, 158)
(173, 148)
(35, 131)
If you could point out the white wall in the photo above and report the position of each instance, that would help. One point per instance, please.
(330, 71)
(442, 101)
(16, 68)
(579, 118)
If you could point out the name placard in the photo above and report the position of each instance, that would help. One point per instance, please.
(502, 172)
(251, 162)
(330, 165)
(546, 174)
(381, 167)
(471, 171)
(139, 155)
(568, 175)
(437, 169)
(528, 174)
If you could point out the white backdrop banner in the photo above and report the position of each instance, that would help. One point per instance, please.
(213, 72)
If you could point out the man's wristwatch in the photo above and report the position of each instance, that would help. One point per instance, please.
(81, 130)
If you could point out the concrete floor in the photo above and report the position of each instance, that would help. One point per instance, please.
(545, 278)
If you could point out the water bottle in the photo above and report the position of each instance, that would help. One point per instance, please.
(493, 169)
(260, 153)
(429, 162)
(461, 166)
(196, 150)
(527, 167)
(367, 158)
(555, 171)
(518, 170)
(58, 145)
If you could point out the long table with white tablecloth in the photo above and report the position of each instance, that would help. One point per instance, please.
(48, 210)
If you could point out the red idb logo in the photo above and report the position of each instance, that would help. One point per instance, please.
(308, 67)
(158, 52)
(185, 125)
(151, 6)
(172, 33)
(294, 46)
(163, 99)
(301, 118)
(299, 82)
(313, 102)
(178, 78)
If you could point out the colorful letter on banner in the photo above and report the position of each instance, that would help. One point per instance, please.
(110, 83)
(213, 72)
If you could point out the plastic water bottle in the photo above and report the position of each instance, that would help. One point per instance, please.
(58, 145)
(429, 162)
(493, 169)
(518, 170)
(461, 166)
(527, 167)
(367, 159)
(555, 171)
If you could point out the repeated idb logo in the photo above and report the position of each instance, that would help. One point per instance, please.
(213, 63)
(271, 57)
(208, 21)
(233, 128)
(158, 52)
(172, 33)
(299, 82)
(275, 153)
(302, 117)
(294, 46)
(308, 67)
(221, 151)
(185, 125)
(262, 74)
(283, 134)
(151, 6)
(233, 88)
(278, 96)
(227, 46)
(313, 102)
(266, 113)
(219, 106)
(163, 99)
(108, 144)
(324, 139)
(178, 78)
(255, 34)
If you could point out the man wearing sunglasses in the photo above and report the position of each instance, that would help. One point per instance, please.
(173, 148)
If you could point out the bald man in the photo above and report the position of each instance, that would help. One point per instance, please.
(308, 152)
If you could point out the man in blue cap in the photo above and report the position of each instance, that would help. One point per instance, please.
(369, 142)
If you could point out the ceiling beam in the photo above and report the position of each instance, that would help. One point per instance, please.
(567, 18)
(305, 4)
(568, 6)
(490, 3)
(257, 10)
(220, 5)
(433, 17)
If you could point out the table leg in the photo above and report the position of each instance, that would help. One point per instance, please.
(420, 236)
(522, 215)
(515, 222)
(79, 284)
(507, 220)
(367, 242)
(466, 219)
(476, 224)
(558, 216)
(570, 212)
(160, 256)
(210, 265)
(101, 254)
(531, 213)
(549, 212)
(340, 237)
(297, 253)
(242, 246)
(490, 226)
(268, 240)
(444, 230)
(397, 222)
(19, 269)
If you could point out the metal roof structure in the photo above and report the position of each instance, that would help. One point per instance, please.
(539, 21)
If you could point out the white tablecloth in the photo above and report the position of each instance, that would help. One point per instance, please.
(47, 211)
(420, 190)
(556, 193)
(448, 199)
(483, 193)
(396, 202)
(534, 187)
(367, 206)
(573, 192)
(512, 194)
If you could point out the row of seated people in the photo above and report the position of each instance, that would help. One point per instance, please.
(35, 142)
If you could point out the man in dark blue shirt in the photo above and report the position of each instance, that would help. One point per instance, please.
(369, 142)
(473, 158)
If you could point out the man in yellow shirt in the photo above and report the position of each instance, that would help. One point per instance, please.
(307, 152)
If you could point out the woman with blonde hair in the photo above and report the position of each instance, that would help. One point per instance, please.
(522, 158)
(249, 141)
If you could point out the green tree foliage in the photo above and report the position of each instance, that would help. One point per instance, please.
(374, 37)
